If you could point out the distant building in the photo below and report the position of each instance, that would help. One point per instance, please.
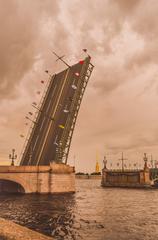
(97, 167)
(127, 178)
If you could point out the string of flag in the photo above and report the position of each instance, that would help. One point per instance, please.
(33, 104)
(65, 110)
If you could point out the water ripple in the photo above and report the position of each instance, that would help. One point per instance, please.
(93, 213)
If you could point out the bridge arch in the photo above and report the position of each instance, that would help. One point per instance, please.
(16, 180)
(8, 186)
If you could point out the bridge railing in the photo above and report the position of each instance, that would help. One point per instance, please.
(74, 109)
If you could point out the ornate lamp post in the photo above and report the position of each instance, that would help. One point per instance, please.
(122, 160)
(12, 156)
(105, 162)
(145, 161)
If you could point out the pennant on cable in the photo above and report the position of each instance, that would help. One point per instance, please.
(42, 81)
(34, 103)
(74, 86)
(61, 126)
(81, 61)
(55, 142)
(84, 49)
(38, 92)
(22, 136)
(77, 74)
(65, 111)
(31, 113)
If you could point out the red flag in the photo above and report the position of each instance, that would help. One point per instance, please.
(81, 61)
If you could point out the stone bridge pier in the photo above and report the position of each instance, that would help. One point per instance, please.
(56, 178)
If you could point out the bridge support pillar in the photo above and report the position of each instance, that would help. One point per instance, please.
(56, 178)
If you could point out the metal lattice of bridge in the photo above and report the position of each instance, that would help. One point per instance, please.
(51, 134)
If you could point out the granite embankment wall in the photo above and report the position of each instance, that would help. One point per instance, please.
(12, 231)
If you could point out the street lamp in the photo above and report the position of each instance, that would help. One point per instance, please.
(12, 156)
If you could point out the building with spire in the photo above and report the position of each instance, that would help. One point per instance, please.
(97, 167)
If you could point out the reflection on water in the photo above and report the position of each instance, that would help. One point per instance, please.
(92, 213)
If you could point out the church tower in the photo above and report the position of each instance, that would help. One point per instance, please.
(97, 167)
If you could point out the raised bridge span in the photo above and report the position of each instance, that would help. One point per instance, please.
(43, 166)
(51, 134)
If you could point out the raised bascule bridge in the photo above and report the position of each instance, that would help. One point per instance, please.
(43, 167)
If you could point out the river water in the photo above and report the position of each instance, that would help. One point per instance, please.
(92, 213)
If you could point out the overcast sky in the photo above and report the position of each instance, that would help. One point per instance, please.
(119, 111)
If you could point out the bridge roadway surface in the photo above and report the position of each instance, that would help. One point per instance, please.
(41, 146)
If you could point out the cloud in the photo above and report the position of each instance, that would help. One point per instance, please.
(119, 107)
(20, 33)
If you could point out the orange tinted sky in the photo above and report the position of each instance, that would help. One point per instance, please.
(119, 109)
